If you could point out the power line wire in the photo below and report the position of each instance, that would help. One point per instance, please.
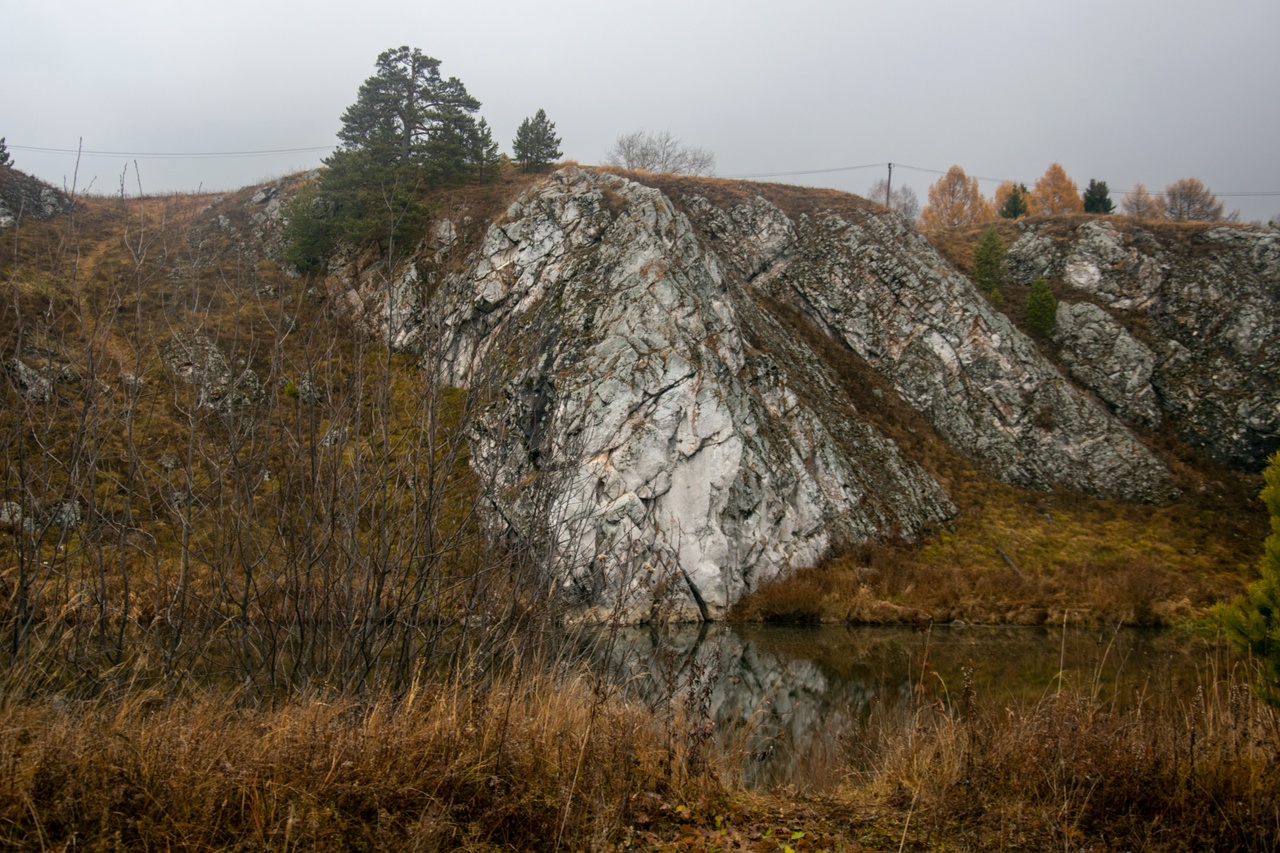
(174, 155)
(1242, 194)
(811, 171)
(214, 155)
(1246, 193)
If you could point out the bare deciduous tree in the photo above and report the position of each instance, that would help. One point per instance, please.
(660, 152)
(1142, 203)
(1189, 198)
(903, 199)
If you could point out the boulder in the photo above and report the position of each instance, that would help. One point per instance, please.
(33, 387)
(194, 358)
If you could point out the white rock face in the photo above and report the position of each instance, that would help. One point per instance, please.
(630, 420)
(1095, 258)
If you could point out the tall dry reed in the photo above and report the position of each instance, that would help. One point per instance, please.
(540, 762)
(1071, 771)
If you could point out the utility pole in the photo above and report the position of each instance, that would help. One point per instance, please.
(888, 185)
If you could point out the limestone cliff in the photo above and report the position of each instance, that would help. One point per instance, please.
(674, 456)
(652, 421)
(873, 283)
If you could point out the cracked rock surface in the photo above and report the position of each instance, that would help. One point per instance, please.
(1198, 303)
(882, 290)
(674, 459)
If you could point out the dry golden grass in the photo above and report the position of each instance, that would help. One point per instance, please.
(1021, 557)
(536, 762)
(727, 192)
(1070, 772)
(564, 762)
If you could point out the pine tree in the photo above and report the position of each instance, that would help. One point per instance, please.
(484, 153)
(988, 262)
(1012, 201)
(404, 108)
(5, 160)
(1097, 198)
(536, 143)
(1042, 309)
(369, 202)
(450, 149)
(309, 231)
(408, 130)
(1252, 621)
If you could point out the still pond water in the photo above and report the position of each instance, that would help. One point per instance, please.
(789, 698)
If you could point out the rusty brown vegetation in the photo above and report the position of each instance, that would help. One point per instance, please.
(727, 192)
(566, 762)
(955, 201)
(1071, 771)
(532, 761)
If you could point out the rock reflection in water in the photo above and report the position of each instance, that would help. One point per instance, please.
(785, 698)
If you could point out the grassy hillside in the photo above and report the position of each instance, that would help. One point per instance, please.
(322, 481)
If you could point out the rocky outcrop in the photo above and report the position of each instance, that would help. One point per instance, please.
(21, 195)
(1101, 354)
(33, 387)
(1200, 299)
(670, 462)
(651, 420)
(194, 358)
(878, 287)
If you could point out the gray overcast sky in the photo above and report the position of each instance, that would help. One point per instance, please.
(1124, 91)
